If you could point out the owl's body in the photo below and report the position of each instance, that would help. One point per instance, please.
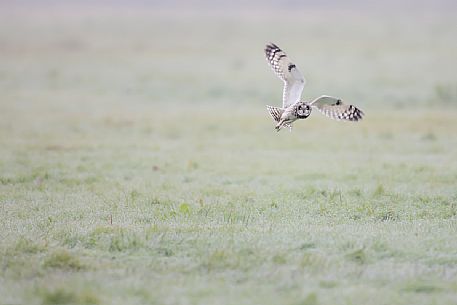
(285, 117)
(293, 109)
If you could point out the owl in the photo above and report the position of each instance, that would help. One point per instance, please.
(292, 107)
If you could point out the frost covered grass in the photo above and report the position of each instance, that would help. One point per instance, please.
(138, 164)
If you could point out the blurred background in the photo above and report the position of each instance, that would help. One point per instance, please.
(170, 78)
(184, 82)
(88, 55)
(138, 163)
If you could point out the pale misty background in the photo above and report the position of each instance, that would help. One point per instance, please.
(139, 165)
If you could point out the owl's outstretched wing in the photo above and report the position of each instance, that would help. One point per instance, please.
(334, 108)
(294, 82)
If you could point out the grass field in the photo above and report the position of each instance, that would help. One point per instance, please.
(138, 164)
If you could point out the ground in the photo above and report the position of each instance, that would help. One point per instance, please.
(139, 165)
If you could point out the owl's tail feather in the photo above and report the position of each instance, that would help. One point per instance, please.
(275, 112)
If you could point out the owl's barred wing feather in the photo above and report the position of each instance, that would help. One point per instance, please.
(294, 82)
(334, 108)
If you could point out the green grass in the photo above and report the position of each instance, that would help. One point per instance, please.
(139, 166)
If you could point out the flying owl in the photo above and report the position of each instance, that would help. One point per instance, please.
(294, 82)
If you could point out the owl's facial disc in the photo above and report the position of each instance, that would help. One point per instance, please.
(303, 111)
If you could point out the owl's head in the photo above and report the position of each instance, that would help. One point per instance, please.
(303, 110)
